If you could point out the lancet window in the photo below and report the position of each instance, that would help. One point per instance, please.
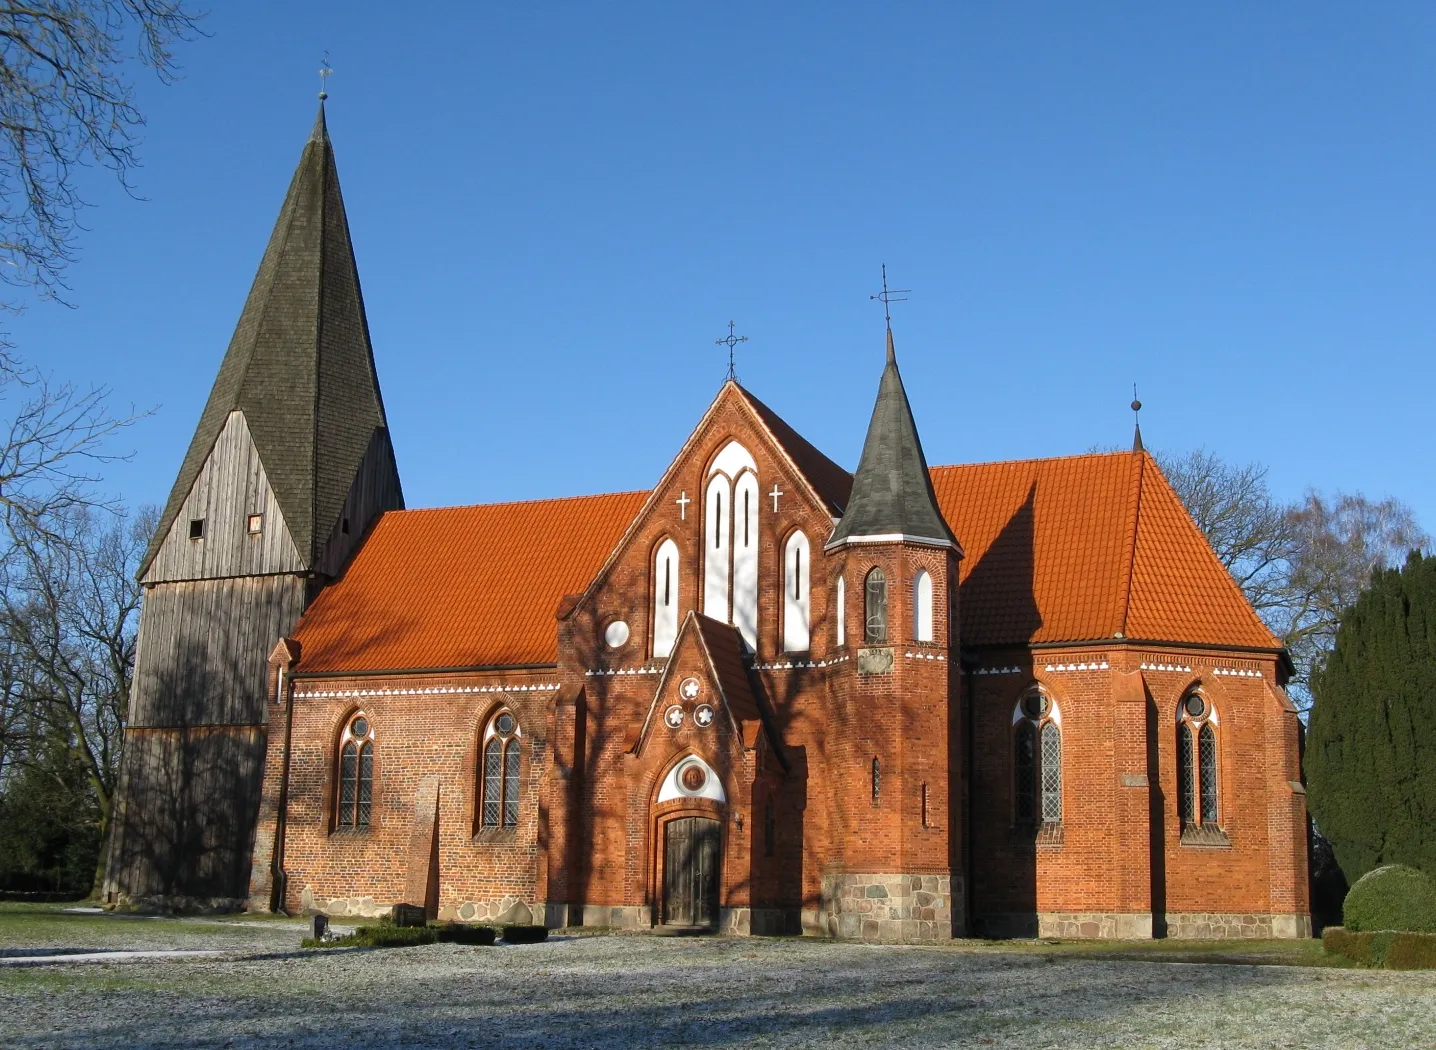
(499, 776)
(875, 607)
(841, 620)
(356, 774)
(1197, 784)
(1037, 761)
(665, 598)
(922, 607)
(796, 599)
(730, 548)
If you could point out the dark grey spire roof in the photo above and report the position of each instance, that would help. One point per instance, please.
(892, 492)
(299, 365)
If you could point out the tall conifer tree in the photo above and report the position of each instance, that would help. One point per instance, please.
(1371, 748)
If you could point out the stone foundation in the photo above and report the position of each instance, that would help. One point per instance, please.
(891, 908)
(1232, 925)
(619, 916)
(506, 911)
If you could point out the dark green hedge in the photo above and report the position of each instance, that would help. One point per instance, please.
(379, 937)
(1393, 897)
(458, 933)
(525, 934)
(1388, 950)
(1370, 780)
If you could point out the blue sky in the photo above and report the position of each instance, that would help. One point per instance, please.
(557, 207)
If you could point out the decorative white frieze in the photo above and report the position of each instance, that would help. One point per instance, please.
(1093, 665)
(1166, 667)
(925, 656)
(794, 665)
(1235, 672)
(440, 690)
(998, 670)
(602, 672)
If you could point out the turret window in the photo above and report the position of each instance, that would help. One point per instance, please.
(356, 774)
(841, 620)
(922, 607)
(875, 603)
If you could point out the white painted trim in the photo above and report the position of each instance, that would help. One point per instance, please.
(673, 786)
(331, 694)
(893, 537)
(797, 594)
(667, 584)
(732, 460)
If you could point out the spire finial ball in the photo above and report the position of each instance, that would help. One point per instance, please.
(1136, 406)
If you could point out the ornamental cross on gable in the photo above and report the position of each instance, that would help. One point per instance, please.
(730, 341)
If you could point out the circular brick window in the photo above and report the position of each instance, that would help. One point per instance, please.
(1196, 706)
(504, 723)
(1036, 705)
(359, 728)
(616, 634)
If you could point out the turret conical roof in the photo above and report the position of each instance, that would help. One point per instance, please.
(892, 496)
(299, 366)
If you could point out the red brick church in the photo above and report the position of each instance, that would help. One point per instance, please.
(765, 696)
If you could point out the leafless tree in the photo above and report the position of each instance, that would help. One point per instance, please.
(68, 626)
(1300, 564)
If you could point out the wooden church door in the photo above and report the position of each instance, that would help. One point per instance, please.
(691, 857)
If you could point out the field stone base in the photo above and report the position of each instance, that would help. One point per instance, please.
(1236, 925)
(506, 911)
(891, 908)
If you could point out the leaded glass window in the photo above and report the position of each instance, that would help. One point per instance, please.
(1026, 772)
(1198, 784)
(1207, 750)
(876, 607)
(1051, 773)
(877, 780)
(356, 775)
(499, 779)
(1185, 794)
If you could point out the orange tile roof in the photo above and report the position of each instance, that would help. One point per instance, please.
(462, 586)
(1071, 549)
(1082, 547)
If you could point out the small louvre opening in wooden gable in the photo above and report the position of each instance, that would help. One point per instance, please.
(196, 528)
(255, 524)
(344, 526)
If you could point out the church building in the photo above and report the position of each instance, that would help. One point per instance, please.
(765, 696)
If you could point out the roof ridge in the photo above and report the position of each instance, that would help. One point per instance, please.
(522, 502)
(1130, 557)
(1031, 459)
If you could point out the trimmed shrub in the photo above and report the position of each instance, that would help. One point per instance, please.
(1370, 778)
(1393, 897)
(380, 936)
(460, 933)
(525, 934)
(1387, 949)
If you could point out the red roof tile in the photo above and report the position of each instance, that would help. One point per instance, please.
(1082, 547)
(462, 586)
(1071, 549)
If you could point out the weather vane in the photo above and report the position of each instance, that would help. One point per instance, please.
(730, 341)
(889, 296)
(324, 73)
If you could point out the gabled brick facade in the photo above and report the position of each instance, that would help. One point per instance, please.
(787, 744)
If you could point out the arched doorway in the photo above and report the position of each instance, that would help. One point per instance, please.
(692, 859)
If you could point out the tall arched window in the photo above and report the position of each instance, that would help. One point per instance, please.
(665, 598)
(1197, 783)
(1037, 761)
(877, 780)
(922, 607)
(796, 603)
(499, 777)
(730, 541)
(842, 617)
(356, 773)
(875, 608)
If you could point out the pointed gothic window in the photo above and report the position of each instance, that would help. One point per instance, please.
(842, 617)
(1198, 786)
(745, 556)
(665, 598)
(875, 608)
(499, 777)
(796, 600)
(1037, 762)
(356, 774)
(922, 607)
(730, 549)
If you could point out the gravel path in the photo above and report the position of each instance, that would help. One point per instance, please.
(619, 991)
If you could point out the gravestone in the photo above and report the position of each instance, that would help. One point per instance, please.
(409, 915)
(319, 926)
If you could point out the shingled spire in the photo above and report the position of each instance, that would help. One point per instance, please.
(892, 498)
(300, 366)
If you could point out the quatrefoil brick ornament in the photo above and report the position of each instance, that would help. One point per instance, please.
(703, 716)
(690, 689)
(673, 716)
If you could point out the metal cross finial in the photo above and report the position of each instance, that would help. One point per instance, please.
(1137, 416)
(889, 296)
(730, 342)
(324, 73)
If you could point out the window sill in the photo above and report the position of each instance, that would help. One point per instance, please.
(496, 835)
(348, 832)
(1207, 836)
(1047, 835)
